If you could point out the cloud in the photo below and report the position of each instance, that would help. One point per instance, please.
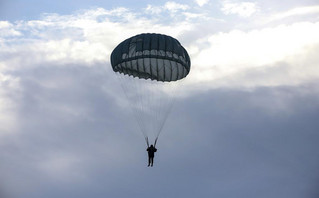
(298, 11)
(72, 134)
(240, 133)
(173, 6)
(242, 9)
(63, 125)
(9, 89)
(172, 11)
(169, 6)
(47, 139)
(83, 37)
(90, 36)
(201, 2)
(223, 56)
(7, 30)
(154, 9)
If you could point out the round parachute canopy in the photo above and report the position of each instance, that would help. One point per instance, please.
(151, 56)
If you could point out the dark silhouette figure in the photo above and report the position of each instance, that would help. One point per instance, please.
(151, 150)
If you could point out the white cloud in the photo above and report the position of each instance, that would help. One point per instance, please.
(6, 29)
(243, 9)
(299, 11)
(89, 37)
(236, 52)
(201, 2)
(202, 17)
(154, 9)
(174, 7)
(169, 6)
(78, 38)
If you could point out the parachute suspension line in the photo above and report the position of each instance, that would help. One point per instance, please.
(150, 103)
(144, 102)
(140, 101)
(146, 139)
(169, 99)
(159, 103)
(159, 106)
(126, 86)
(155, 142)
(155, 108)
(165, 115)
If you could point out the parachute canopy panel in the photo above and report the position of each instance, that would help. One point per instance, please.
(151, 56)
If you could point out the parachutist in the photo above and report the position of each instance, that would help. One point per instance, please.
(151, 150)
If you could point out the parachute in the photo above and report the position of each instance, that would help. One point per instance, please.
(150, 68)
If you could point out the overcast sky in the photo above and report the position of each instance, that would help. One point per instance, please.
(246, 124)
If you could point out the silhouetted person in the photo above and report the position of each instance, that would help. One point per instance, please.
(151, 150)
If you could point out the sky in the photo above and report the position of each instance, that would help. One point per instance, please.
(244, 124)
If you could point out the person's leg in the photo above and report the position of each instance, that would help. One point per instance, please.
(149, 161)
(152, 160)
